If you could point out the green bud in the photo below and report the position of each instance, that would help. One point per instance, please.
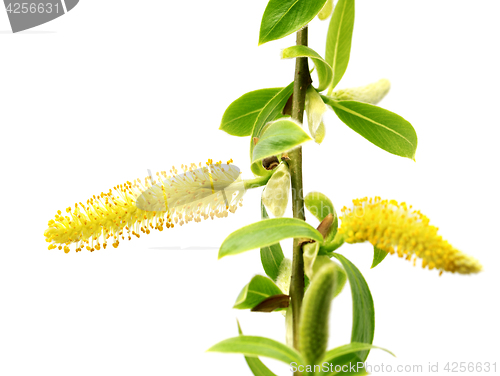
(372, 93)
(326, 11)
(275, 195)
(313, 328)
(284, 275)
(315, 109)
(340, 274)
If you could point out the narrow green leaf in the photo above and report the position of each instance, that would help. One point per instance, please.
(320, 206)
(257, 367)
(259, 289)
(239, 118)
(265, 233)
(258, 346)
(363, 311)
(338, 355)
(381, 127)
(272, 110)
(349, 349)
(378, 256)
(271, 256)
(278, 137)
(325, 73)
(255, 364)
(284, 17)
(338, 39)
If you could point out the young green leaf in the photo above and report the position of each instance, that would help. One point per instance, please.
(258, 346)
(239, 118)
(269, 112)
(259, 289)
(271, 256)
(255, 364)
(381, 127)
(320, 206)
(338, 39)
(325, 73)
(279, 137)
(363, 311)
(378, 256)
(371, 93)
(265, 233)
(284, 17)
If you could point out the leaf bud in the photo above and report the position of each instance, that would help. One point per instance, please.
(275, 195)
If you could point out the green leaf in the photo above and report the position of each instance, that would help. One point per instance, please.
(259, 289)
(378, 256)
(255, 364)
(363, 311)
(271, 256)
(265, 233)
(381, 127)
(240, 116)
(278, 137)
(349, 349)
(258, 346)
(338, 355)
(320, 206)
(325, 73)
(284, 17)
(269, 112)
(338, 39)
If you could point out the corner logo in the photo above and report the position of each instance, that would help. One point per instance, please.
(26, 14)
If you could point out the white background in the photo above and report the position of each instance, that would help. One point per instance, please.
(113, 88)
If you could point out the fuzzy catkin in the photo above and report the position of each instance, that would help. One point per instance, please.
(313, 328)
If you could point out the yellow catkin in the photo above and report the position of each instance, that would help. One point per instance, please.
(398, 229)
(141, 206)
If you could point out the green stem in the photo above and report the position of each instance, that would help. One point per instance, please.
(301, 83)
